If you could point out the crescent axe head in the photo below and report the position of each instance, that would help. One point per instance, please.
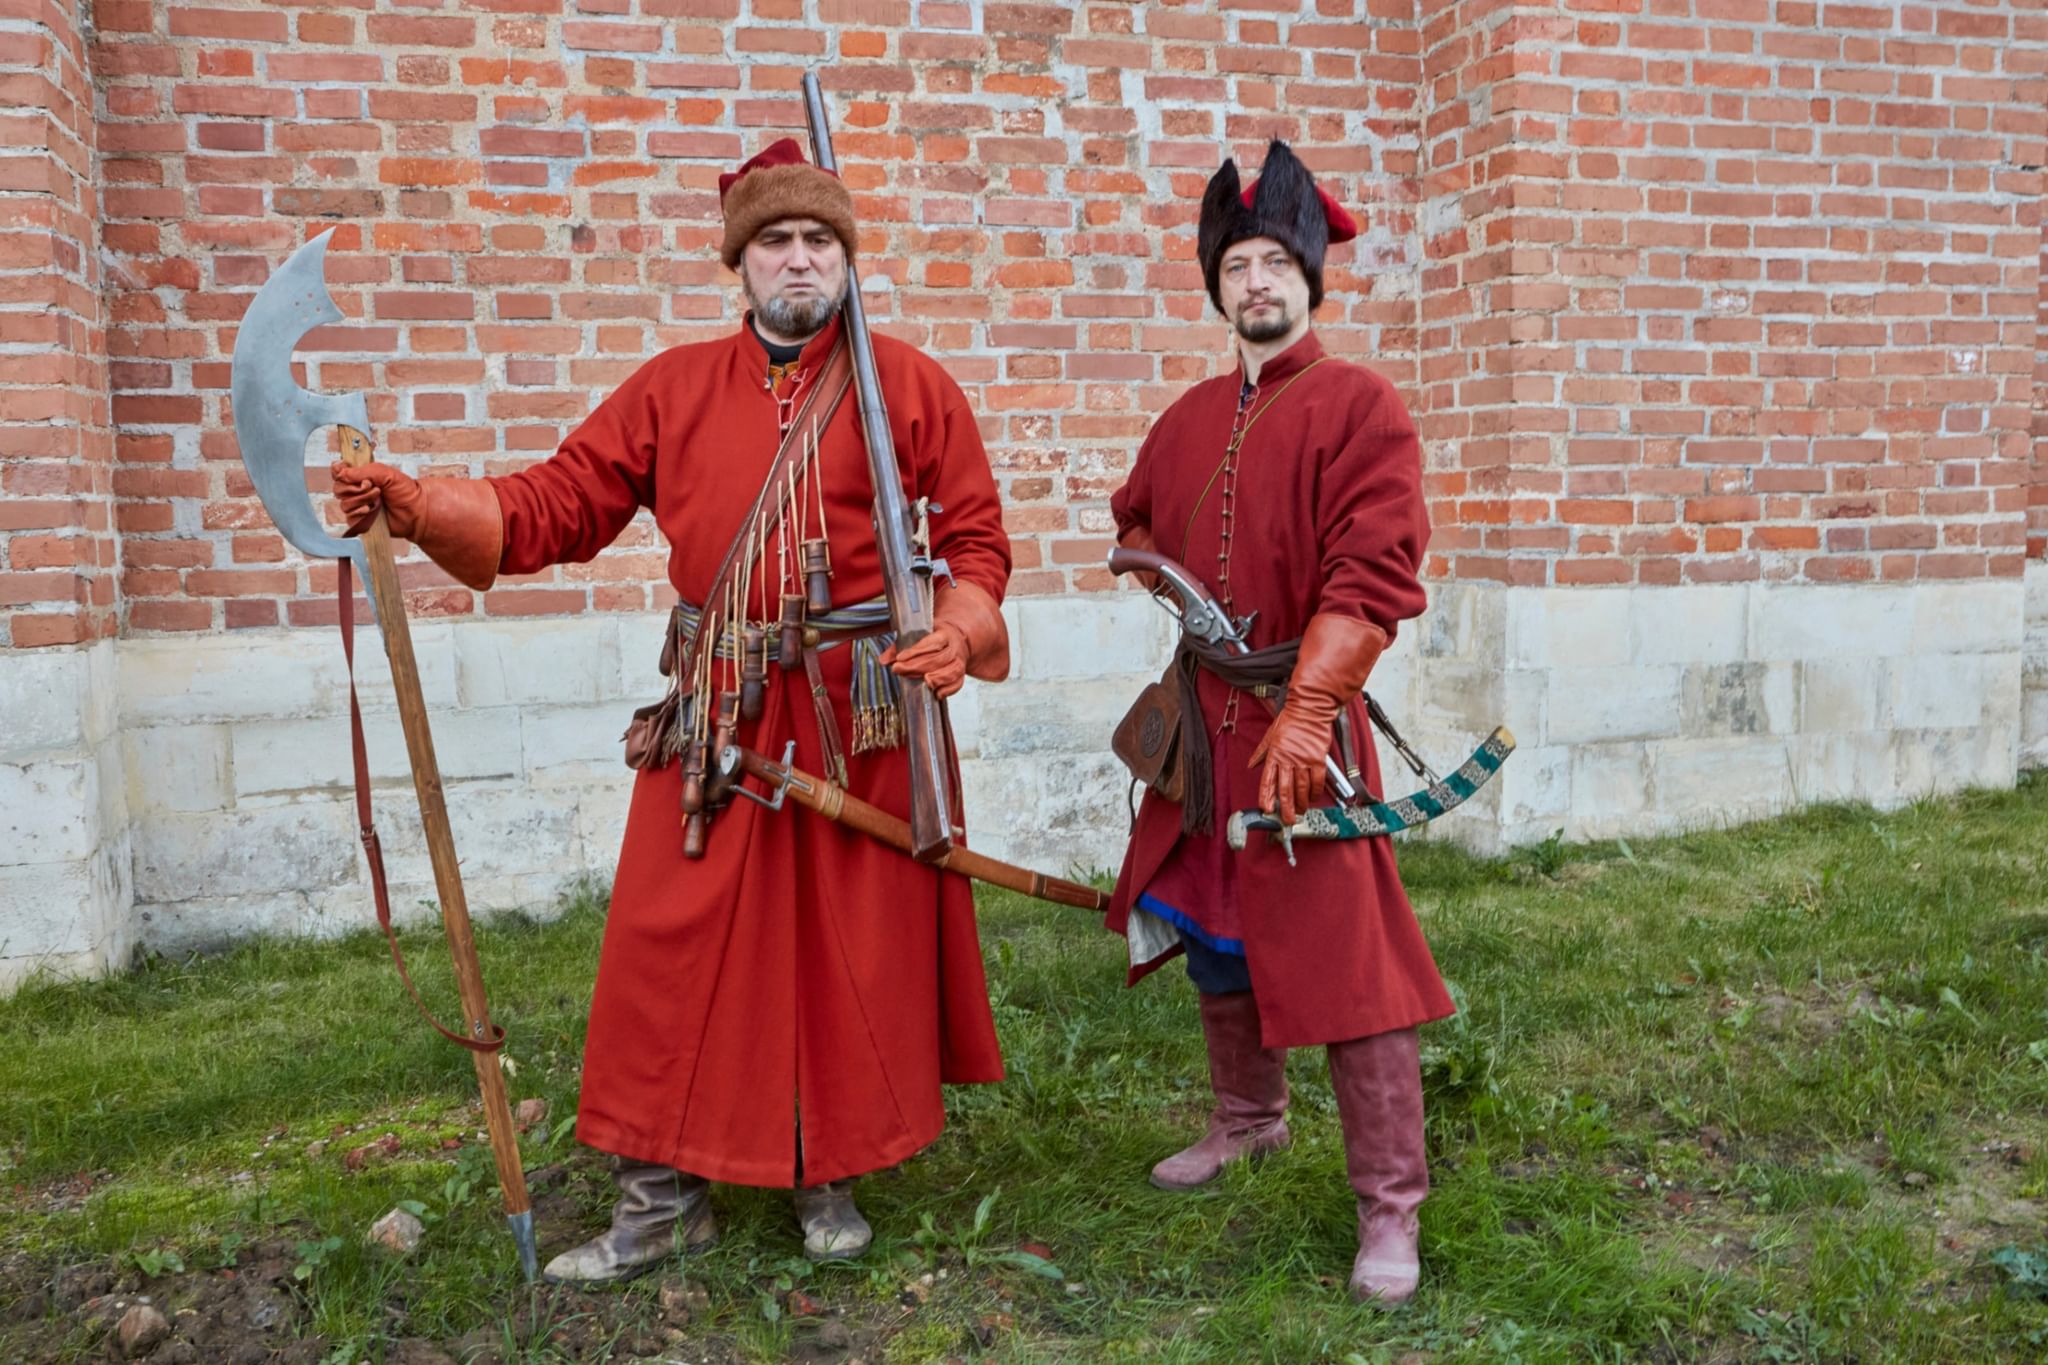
(274, 417)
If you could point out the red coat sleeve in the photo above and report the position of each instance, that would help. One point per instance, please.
(572, 505)
(951, 468)
(1372, 524)
(1131, 504)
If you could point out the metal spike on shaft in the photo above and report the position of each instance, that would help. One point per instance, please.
(521, 1224)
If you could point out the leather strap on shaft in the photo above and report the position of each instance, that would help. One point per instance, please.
(371, 847)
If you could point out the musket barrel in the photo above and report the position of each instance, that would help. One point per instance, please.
(907, 588)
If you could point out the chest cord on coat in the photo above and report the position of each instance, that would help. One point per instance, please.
(1198, 807)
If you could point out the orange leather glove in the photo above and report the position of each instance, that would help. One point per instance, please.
(457, 523)
(968, 636)
(1337, 655)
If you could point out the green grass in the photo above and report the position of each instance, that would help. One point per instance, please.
(1777, 1093)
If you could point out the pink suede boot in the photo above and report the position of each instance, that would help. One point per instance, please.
(1250, 1084)
(1378, 1081)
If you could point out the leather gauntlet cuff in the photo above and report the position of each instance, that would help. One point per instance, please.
(461, 527)
(1337, 656)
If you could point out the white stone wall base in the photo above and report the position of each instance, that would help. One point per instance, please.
(65, 860)
(1647, 710)
(2034, 669)
(179, 794)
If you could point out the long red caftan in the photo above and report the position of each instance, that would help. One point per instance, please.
(800, 982)
(1329, 518)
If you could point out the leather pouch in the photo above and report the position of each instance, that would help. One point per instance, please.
(647, 733)
(1147, 740)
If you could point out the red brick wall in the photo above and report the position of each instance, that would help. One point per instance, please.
(1681, 290)
(1732, 289)
(56, 465)
(527, 208)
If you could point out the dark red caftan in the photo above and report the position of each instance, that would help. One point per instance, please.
(1329, 518)
(799, 974)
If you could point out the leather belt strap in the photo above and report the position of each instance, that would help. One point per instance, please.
(816, 640)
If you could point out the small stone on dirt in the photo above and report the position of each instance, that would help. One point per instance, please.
(679, 1299)
(265, 1308)
(397, 1231)
(834, 1335)
(141, 1330)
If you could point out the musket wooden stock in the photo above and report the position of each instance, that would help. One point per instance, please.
(908, 590)
(835, 803)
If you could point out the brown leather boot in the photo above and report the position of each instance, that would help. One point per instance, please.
(660, 1211)
(1378, 1081)
(1250, 1084)
(833, 1227)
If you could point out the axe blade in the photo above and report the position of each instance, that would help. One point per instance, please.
(274, 417)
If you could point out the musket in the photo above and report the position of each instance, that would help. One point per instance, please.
(273, 419)
(836, 803)
(1203, 618)
(906, 562)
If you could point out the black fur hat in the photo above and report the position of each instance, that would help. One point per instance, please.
(1284, 204)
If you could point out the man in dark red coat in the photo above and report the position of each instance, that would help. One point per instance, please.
(783, 1010)
(1294, 487)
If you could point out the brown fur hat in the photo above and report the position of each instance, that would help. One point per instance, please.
(779, 183)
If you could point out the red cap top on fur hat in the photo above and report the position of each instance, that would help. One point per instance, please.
(1285, 204)
(778, 183)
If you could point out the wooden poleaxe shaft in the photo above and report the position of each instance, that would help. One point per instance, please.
(836, 803)
(426, 780)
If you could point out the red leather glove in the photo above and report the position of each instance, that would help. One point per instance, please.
(1337, 655)
(968, 636)
(457, 523)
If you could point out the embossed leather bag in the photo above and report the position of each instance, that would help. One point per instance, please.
(1147, 739)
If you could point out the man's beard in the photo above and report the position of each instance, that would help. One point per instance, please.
(1267, 326)
(801, 317)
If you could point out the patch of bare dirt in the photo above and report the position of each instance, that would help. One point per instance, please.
(252, 1314)
(100, 1311)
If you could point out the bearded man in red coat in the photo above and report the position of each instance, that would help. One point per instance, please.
(1293, 486)
(783, 1010)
